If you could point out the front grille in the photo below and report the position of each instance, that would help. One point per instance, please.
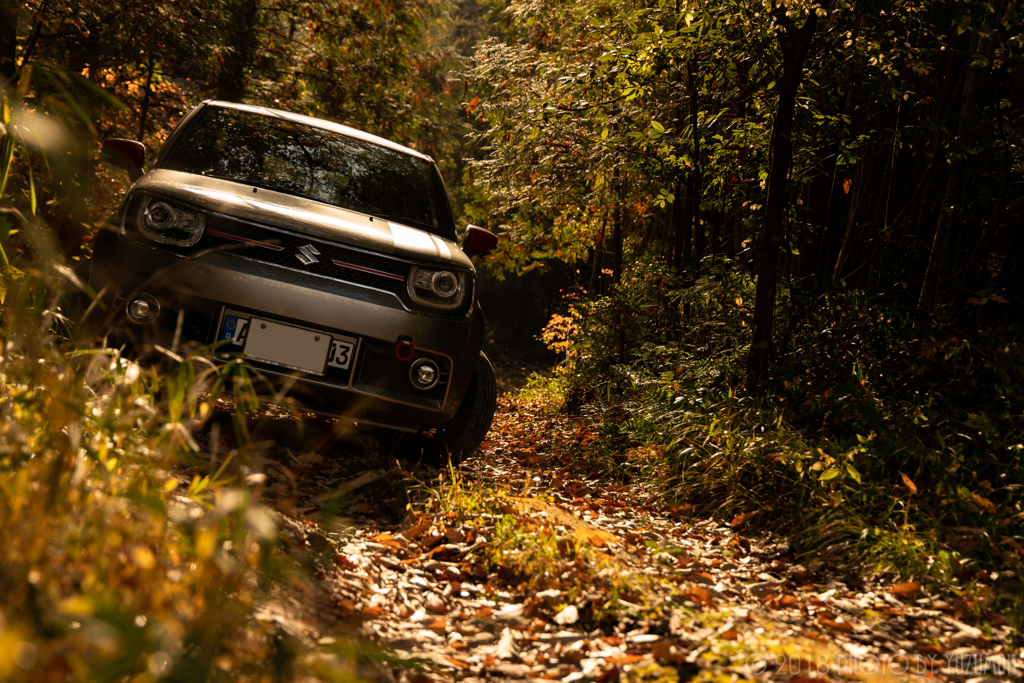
(383, 371)
(283, 249)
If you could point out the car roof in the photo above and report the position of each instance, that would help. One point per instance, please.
(318, 123)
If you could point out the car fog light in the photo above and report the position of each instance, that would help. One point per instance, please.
(424, 374)
(143, 308)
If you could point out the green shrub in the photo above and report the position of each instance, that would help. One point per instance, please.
(874, 438)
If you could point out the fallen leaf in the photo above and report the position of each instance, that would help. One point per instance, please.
(985, 504)
(665, 650)
(596, 537)
(701, 596)
(907, 590)
(837, 624)
(457, 662)
(909, 484)
(741, 518)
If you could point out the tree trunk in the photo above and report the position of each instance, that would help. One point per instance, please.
(819, 200)
(241, 50)
(144, 106)
(677, 228)
(8, 39)
(795, 44)
(939, 251)
(696, 176)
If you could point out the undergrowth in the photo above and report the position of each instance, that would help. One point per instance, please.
(115, 565)
(529, 546)
(875, 440)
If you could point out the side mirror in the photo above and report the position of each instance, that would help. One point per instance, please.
(478, 241)
(127, 154)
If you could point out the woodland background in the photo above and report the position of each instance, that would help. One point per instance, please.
(777, 245)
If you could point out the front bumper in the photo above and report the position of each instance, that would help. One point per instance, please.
(195, 294)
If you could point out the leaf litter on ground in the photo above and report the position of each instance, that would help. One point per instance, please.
(526, 564)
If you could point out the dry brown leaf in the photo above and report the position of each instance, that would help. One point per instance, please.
(984, 504)
(909, 484)
(701, 596)
(596, 537)
(741, 518)
(625, 659)
(417, 530)
(343, 561)
(907, 590)
(483, 613)
(837, 624)
(457, 662)
(665, 650)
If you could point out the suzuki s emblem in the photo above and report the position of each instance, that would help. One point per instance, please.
(308, 254)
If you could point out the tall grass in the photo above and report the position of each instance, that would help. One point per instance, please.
(114, 564)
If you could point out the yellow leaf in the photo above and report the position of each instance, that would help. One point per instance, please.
(143, 557)
(205, 542)
(909, 484)
(170, 485)
(78, 606)
(596, 537)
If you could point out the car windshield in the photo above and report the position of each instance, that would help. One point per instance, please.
(312, 162)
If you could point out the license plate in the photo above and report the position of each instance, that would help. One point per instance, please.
(287, 345)
(292, 347)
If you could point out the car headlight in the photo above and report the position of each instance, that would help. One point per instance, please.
(440, 289)
(166, 221)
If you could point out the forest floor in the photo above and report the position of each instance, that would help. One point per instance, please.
(523, 565)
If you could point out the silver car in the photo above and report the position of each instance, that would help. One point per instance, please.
(324, 257)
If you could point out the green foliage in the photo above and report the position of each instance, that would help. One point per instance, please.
(872, 441)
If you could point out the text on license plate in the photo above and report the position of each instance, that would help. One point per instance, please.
(287, 345)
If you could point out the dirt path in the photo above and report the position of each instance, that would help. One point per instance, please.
(523, 568)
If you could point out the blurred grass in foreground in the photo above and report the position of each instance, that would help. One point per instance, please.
(111, 568)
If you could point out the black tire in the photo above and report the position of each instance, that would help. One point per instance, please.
(460, 436)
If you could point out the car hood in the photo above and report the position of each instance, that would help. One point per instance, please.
(306, 216)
